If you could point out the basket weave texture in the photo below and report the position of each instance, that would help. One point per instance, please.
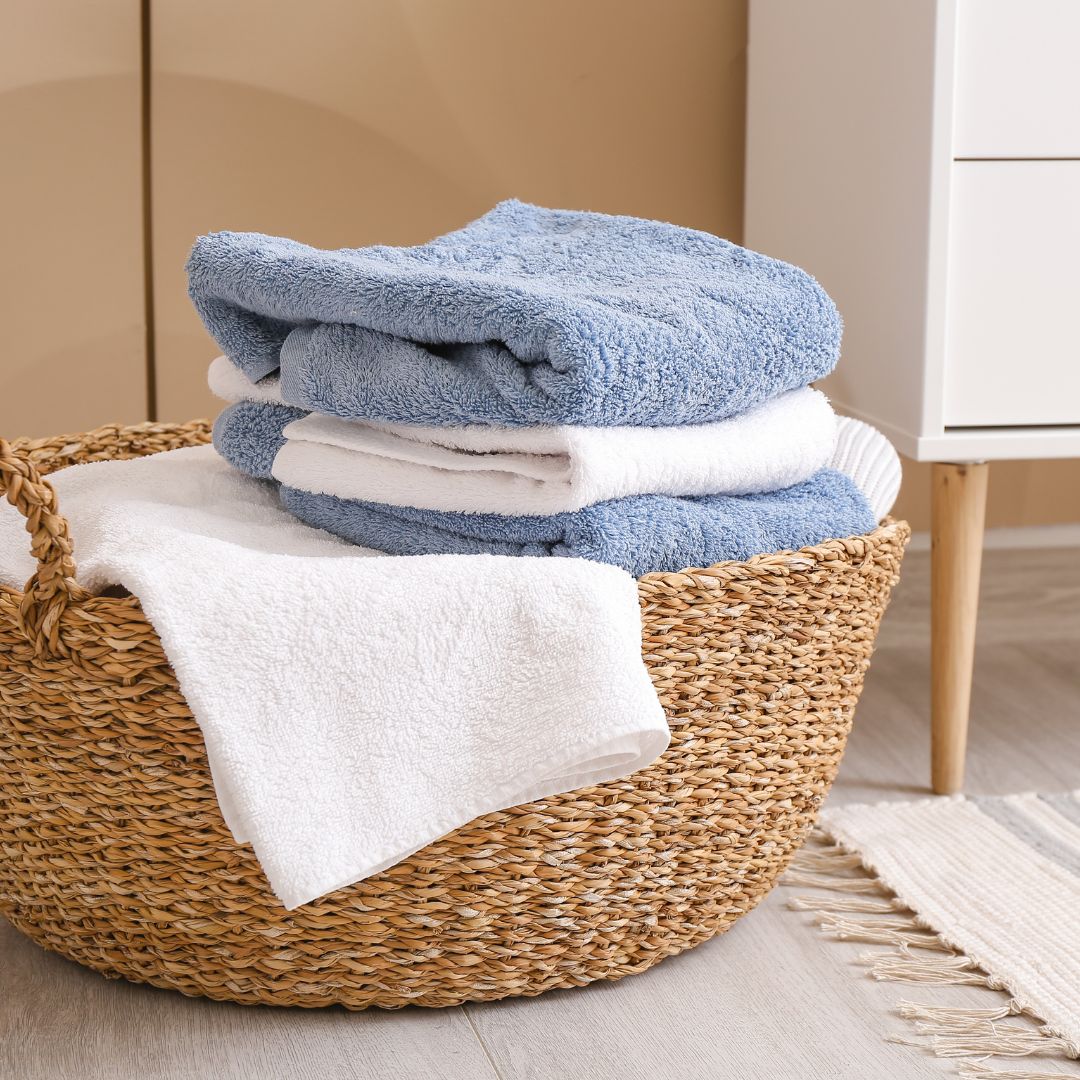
(113, 851)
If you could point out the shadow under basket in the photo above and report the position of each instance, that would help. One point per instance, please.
(113, 851)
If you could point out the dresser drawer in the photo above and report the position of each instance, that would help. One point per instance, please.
(1012, 353)
(1017, 79)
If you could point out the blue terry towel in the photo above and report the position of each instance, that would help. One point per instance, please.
(526, 316)
(640, 533)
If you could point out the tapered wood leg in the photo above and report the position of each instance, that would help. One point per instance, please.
(958, 520)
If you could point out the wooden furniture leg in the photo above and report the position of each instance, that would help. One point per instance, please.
(958, 518)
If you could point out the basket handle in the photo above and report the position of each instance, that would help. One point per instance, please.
(52, 587)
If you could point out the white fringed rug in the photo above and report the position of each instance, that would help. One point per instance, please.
(967, 891)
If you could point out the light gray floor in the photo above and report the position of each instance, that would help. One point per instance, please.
(769, 1000)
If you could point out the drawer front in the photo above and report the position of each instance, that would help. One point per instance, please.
(1017, 79)
(1013, 332)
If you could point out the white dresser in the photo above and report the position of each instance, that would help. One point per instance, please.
(922, 159)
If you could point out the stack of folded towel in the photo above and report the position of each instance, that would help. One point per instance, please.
(541, 382)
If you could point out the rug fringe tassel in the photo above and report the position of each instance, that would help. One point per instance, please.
(957, 1018)
(949, 1032)
(998, 1040)
(978, 1071)
(869, 886)
(949, 969)
(825, 860)
(853, 904)
(1009, 1040)
(898, 931)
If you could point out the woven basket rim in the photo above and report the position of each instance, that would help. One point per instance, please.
(780, 562)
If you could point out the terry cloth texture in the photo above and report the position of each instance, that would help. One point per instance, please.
(526, 316)
(640, 533)
(545, 470)
(357, 707)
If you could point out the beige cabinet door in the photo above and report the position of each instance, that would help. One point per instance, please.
(343, 123)
(71, 277)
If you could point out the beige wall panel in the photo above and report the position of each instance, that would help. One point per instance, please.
(343, 123)
(70, 188)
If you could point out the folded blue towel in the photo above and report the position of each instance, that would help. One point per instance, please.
(641, 533)
(526, 316)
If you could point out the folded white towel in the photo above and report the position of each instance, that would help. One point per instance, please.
(354, 707)
(544, 470)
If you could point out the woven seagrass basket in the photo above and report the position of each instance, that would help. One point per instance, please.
(113, 851)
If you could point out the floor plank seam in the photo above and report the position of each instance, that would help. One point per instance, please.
(483, 1045)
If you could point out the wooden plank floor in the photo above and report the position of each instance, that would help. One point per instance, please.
(769, 1000)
